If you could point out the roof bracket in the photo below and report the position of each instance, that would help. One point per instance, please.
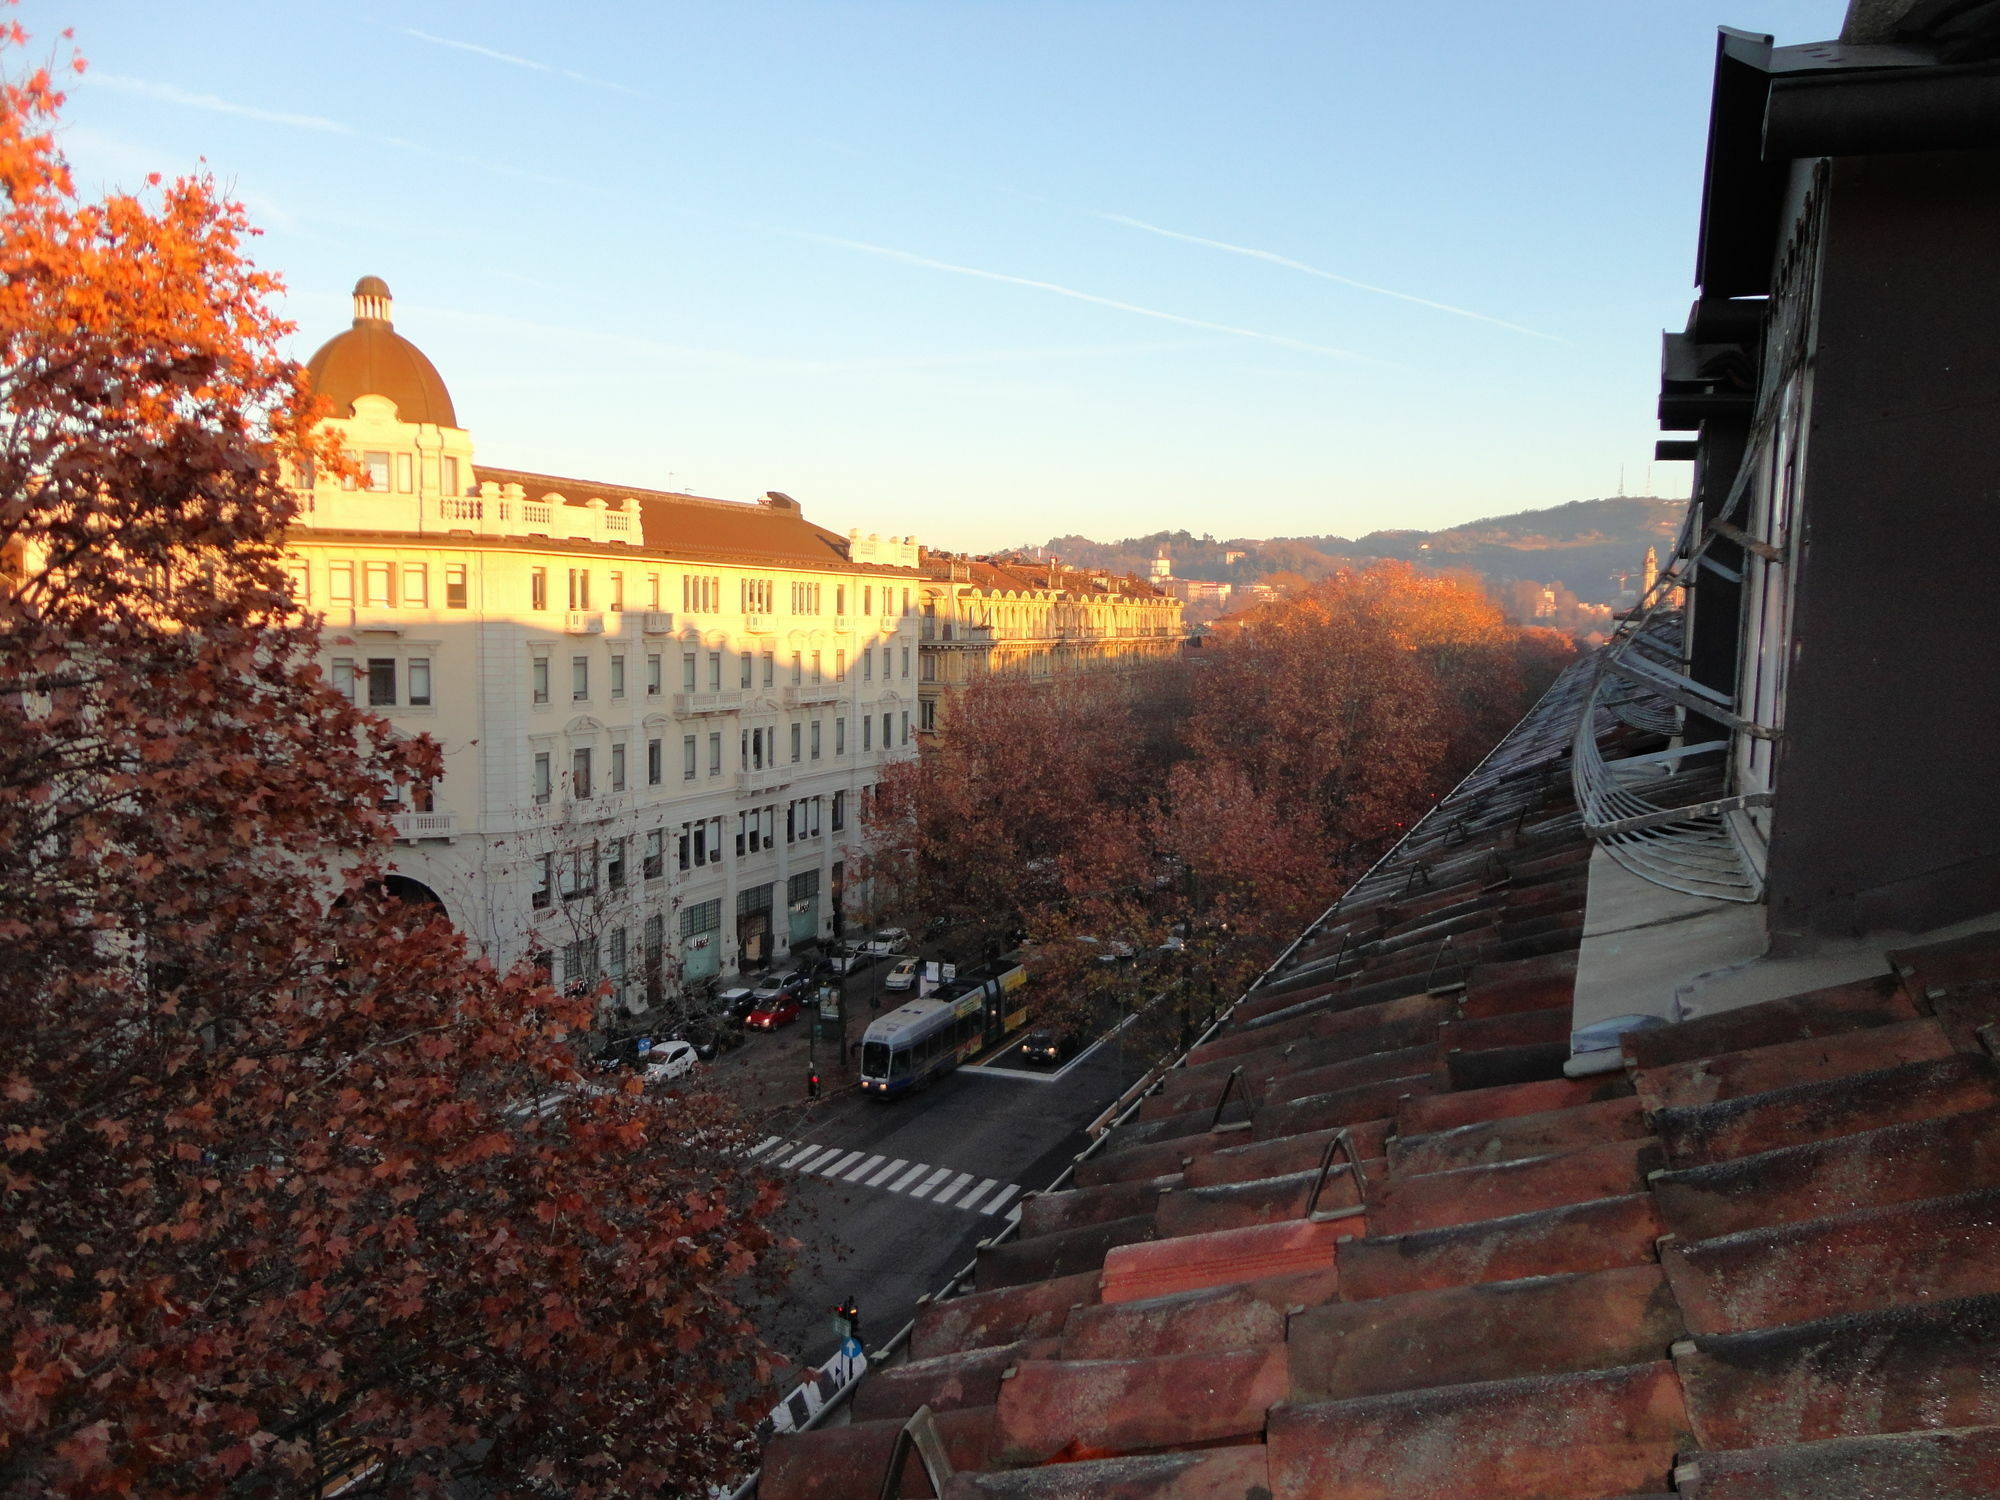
(920, 1433)
(1431, 987)
(1341, 1141)
(1229, 1085)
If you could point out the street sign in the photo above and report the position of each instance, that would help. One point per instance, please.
(644, 1045)
(850, 1347)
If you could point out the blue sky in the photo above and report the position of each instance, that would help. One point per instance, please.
(984, 272)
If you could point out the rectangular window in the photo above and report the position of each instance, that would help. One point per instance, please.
(700, 917)
(868, 664)
(814, 830)
(905, 727)
(652, 591)
(701, 593)
(798, 740)
(618, 592)
(715, 671)
(868, 599)
(420, 682)
(798, 668)
(579, 872)
(815, 739)
(756, 596)
(614, 867)
(579, 774)
(927, 716)
(818, 676)
(715, 753)
(544, 783)
(538, 588)
(840, 736)
(840, 598)
(655, 678)
(867, 732)
(770, 668)
(687, 672)
(448, 476)
(906, 661)
(684, 846)
(579, 588)
(340, 583)
(840, 665)
(687, 757)
(885, 731)
(454, 586)
(403, 474)
(747, 675)
(378, 579)
(381, 682)
(617, 768)
(839, 811)
(301, 577)
(375, 470)
(930, 668)
(539, 672)
(416, 585)
(656, 762)
(656, 854)
(579, 678)
(347, 681)
(617, 676)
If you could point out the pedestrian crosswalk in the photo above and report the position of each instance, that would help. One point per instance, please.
(920, 1180)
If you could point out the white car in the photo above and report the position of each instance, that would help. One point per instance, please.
(904, 975)
(889, 940)
(668, 1061)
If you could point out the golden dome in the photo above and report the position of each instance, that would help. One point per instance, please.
(372, 359)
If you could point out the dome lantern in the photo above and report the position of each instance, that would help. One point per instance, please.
(372, 359)
(372, 302)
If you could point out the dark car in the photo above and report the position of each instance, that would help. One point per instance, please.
(737, 1002)
(793, 986)
(1049, 1048)
(711, 1035)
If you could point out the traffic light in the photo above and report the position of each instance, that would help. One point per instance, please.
(847, 1320)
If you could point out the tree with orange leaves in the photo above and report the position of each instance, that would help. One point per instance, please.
(295, 1193)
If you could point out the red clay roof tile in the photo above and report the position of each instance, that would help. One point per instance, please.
(1065, 1410)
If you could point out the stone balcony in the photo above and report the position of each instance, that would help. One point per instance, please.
(728, 701)
(497, 510)
(801, 694)
(412, 827)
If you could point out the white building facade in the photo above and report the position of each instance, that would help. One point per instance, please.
(660, 714)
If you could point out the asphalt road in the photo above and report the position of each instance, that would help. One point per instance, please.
(868, 1176)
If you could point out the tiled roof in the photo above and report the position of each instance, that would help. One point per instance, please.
(1417, 1262)
(692, 526)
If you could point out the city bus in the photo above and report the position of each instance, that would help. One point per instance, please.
(920, 1041)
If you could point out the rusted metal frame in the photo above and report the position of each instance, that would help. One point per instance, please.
(1342, 1141)
(919, 1435)
(1730, 531)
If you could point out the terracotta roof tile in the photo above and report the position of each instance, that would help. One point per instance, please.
(1735, 1074)
(1033, 1310)
(1225, 1257)
(1435, 1113)
(1076, 1409)
(1465, 1195)
(944, 1383)
(1579, 1237)
(1233, 1473)
(1958, 1465)
(1240, 1316)
(1512, 1137)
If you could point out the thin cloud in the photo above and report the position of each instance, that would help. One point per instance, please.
(1299, 265)
(907, 258)
(517, 61)
(168, 94)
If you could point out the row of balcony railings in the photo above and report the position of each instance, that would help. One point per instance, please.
(1668, 816)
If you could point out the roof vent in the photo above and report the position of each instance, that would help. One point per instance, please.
(777, 500)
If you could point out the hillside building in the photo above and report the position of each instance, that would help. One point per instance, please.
(659, 712)
(1013, 616)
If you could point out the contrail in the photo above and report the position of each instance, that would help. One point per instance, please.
(515, 60)
(167, 93)
(1299, 265)
(908, 258)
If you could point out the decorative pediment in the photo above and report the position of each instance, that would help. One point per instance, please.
(583, 724)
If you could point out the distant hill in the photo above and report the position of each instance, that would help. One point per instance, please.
(1583, 547)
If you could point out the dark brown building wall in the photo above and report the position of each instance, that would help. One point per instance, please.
(1888, 779)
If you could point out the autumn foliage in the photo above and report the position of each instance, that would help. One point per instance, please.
(1187, 820)
(273, 1215)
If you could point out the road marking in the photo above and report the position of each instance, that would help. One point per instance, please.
(889, 1171)
(818, 1158)
(1000, 1197)
(864, 1169)
(793, 1161)
(944, 1193)
(931, 1181)
(979, 1192)
(765, 1145)
(909, 1177)
(840, 1166)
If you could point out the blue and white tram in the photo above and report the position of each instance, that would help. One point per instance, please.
(920, 1041)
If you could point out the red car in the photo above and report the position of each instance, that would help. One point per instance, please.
(772, 1014)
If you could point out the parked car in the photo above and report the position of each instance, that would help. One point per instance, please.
(888, 940)
(711, 1035)
(904, 975)
(667, 1062)
(1049, 1048)
(795, 984)
(736, 1002)
(849, 957)
(773, 1013)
